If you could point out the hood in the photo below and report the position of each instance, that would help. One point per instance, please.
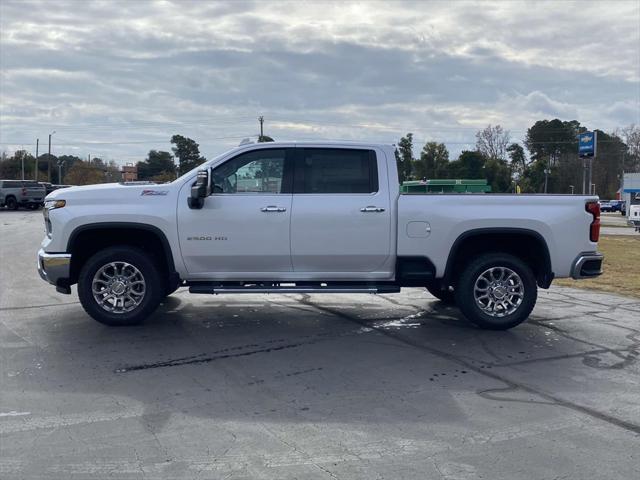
(110, 192)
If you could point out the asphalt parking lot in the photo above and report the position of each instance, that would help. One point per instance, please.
(311, 387)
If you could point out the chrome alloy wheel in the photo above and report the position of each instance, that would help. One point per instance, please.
(498, 291)
(118, 287)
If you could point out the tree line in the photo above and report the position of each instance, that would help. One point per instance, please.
(159, 166)
(550, 145)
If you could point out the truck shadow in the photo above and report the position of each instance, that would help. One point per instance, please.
(299, 359)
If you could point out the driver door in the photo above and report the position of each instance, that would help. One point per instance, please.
(242, 230)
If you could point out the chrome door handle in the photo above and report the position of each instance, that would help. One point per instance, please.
(273, 208)
(372, 209)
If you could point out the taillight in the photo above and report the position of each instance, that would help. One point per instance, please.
(594, 229)
(24, 191)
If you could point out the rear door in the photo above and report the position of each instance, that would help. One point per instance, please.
(341, 215)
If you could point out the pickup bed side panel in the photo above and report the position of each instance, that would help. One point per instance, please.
(428, 225)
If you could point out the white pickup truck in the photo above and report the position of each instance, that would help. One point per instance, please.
(310, 218)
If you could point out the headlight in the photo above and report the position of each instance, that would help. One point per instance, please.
(53, 204)
(48, 206)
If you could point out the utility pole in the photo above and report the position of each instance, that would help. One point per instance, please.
(60, 164)
(591, 159)
(584, 175)
(261, 120)
(546, 174)
(49, 159)
(22, 161)
(37, 162)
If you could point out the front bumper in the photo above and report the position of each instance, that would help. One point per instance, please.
(587, 265)
(55, 268)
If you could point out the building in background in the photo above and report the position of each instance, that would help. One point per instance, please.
(129, 173)
(631, 189)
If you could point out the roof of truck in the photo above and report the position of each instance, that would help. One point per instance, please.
(348, 143)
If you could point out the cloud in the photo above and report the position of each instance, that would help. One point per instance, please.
(118, 78)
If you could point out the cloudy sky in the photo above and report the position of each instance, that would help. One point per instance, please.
(117, 78)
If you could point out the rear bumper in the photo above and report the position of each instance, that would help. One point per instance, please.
(55, 268)
(587, 265)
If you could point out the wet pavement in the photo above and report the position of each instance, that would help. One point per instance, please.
(311, 386)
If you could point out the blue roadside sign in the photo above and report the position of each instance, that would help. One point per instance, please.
(587, 144)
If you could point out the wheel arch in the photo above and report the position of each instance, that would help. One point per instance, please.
(528, 245)
(88, 239)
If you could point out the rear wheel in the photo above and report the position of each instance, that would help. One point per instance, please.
(496, 291)
(120, 286)
(11, 203)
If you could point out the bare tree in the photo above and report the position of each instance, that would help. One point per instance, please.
(492, 142)
(631, 137)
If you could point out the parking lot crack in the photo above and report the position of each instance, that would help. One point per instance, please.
(8, 309)
(553, 399)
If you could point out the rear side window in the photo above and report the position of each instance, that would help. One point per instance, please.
(12, 184)
(33, 184)
(335, 170)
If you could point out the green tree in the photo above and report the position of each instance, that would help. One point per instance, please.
(84, 173)
(265, 138)
(517, 160)
(11, 167)
(157, 162)
(68, 162)
(188, 153)
(608, 165)
(553, 145)
(498, 175)
(404, 157)
(433, 162)
(470, 164)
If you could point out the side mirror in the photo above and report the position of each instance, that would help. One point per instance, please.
(200, 190)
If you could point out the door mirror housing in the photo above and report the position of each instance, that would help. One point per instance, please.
(200, 190)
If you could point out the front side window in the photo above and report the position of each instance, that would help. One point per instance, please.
(334, 170)
(259, 171)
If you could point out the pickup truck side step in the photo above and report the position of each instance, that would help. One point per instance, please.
(217, 288)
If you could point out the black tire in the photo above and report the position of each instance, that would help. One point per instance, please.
(154, 285)
(444, 295)
(11, 203)
(466, 299)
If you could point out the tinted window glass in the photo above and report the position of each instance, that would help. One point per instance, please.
(325, 170)
(12, 184)
(261, 171)
(33, 184)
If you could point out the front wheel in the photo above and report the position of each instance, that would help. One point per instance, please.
(120, 286)
(496, 291)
